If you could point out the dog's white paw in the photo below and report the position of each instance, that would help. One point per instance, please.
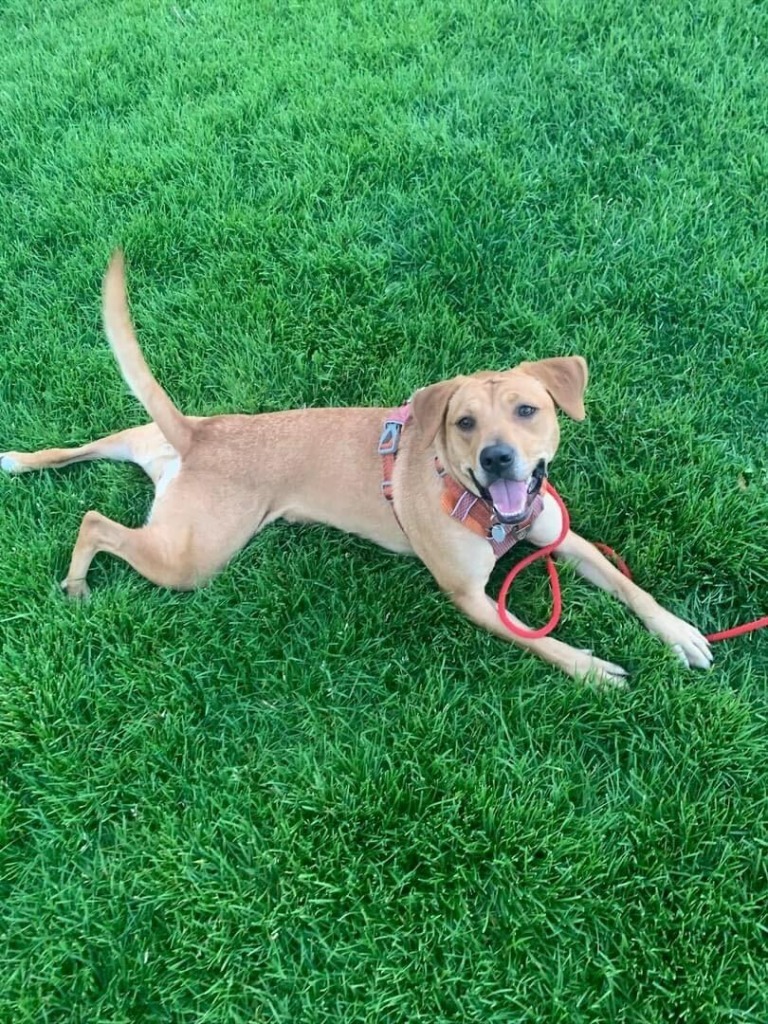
(76, 590)
(10, 463)
(602, 673)
(691, 646)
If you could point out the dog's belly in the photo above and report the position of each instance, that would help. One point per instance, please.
(381, 529)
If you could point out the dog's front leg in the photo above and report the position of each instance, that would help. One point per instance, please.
(462, 563)
(462, 569)
(481, 609)
(688, 643)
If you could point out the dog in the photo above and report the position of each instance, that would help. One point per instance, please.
(456, 476)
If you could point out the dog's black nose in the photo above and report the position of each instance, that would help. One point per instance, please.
(497, 459)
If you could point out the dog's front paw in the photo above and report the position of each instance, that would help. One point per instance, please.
(691, 646)
(602, 673)
(76, 590)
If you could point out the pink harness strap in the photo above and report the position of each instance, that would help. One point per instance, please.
(389, 442)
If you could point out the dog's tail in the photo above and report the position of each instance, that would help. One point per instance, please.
(119, 330)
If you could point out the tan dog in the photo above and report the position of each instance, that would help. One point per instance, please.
(221, 479)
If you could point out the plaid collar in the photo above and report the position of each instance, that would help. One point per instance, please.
(479, 516)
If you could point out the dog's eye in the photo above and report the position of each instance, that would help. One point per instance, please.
(526, 411)
(466, 423)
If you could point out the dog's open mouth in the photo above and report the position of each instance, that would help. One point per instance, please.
(512, 499)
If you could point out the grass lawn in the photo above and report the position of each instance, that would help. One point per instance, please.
(313, 792)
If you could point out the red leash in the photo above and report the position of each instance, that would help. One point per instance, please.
(554, 582)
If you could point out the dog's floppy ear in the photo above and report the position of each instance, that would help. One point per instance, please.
(428, 407)
(565, 378)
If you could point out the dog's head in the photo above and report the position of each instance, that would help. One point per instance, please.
(496, 433)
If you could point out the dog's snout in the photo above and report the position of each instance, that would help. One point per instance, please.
(497, 459)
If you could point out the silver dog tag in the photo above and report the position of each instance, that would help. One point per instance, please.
(498, 532)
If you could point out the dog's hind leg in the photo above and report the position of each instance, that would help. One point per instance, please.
(144, 445)
(193, 530)
(156, 552)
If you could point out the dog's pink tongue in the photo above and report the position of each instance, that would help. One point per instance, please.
(509, 496)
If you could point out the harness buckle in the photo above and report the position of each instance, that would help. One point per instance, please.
(389, 441)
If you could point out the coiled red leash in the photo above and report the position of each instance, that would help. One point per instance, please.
(554, 582)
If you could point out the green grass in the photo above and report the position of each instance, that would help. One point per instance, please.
(312, 792)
